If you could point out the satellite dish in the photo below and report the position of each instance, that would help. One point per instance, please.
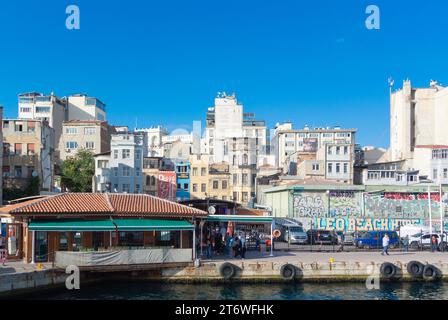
(211, 210)
(34, 174)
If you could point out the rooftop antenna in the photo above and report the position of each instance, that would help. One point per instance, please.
(391, 83)
(136, 122)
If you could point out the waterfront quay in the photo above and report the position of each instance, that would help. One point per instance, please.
(17, 277)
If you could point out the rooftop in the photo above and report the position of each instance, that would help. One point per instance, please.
(94, 204)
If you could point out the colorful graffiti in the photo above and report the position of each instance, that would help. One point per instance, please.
(344, 204)
(308, 205)
(361, 224)
(400, 205)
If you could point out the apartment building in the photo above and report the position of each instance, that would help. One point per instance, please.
(209, 180)
(243, 183)
(225, 123)
(155, 140)
(159, 177)
(1, 155)
(83, 107)
(120, 170)
(50, 108)
(92, 135)
(27, 152)
(418, 130)
(182, 170)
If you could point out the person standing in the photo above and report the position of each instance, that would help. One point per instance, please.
(209, 248)
(406, 243)
(433, 243)
(385, 245)
(243, 246)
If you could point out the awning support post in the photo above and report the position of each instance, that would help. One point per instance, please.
(33, 246)
(194, 239)
(272, 241)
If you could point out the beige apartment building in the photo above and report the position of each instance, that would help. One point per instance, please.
(93, 135)
(243, 183)
(209, 180)
(27, 152)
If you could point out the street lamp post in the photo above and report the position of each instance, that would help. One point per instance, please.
(429, 208)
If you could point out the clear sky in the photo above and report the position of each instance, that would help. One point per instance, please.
(309, 62)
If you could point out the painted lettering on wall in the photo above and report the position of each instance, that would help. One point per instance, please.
(308, 205)
(361, 224)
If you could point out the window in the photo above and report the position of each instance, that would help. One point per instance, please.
(90, 145)
(125, 153)
(315, 167)
(88, 131)
(329, 149)
(30, 170)
(445, 173)
(42, 109)
(338, 167)
(235, 196)
(71, 130)
(338, 150)
(115, 170)
(345, 150)
(6, 148)
(130, 239)
(5, 124)
(126, 172)
(235, 178)
(18, 148)
(25, 109)
(195, 187)
(6, 170)
(203, 171)
(215, 184)
(71, 144)
(126, 187)
(30, 149)
(345, 167)
(186, 187)
(224, 184)
(137, 154)
(245, 179)
(115, 154)
(137, 171)
(434, 173)
(330, 168)
(103, 164)
(245, 159)
(18, 127)
(137, 188)
(18, 171)
(245, 197)
(203, 187)
(31, 126)
(195, 171)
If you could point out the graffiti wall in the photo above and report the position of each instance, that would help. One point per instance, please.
(361, 224)
(345, 204)
(400, 205)
(310, 204)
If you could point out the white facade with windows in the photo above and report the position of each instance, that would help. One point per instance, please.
(121, 169)
(82, 107)
(155, 140)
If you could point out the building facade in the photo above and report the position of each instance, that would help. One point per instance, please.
(92, 135)
(155, 140)
(27, 153)
(120, 170)
(82, 107)
(182, 170)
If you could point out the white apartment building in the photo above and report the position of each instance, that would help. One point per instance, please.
(155, 140)
(1, 155)
(226, 124)
(92, 135)
(121, 169)
(178, 145)
(418, 130)
(49, 108)
(82, 107)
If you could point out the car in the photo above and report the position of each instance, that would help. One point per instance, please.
(423, 240)
(349, 238)
(374, 239)
(294, 234)
(322, 236)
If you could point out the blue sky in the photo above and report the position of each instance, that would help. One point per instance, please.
(309, 62)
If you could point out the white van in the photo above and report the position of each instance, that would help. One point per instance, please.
(411, 230)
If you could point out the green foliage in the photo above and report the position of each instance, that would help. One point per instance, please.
(33, 187)
(77, 172)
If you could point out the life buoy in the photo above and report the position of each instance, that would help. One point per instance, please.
(227, 270)
(415, 269)
(430, 273)
(288, 271)
(277, 233)
(388, 270)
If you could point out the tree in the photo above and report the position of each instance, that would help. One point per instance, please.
(77, 172)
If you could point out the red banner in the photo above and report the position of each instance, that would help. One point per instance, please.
(166, 188)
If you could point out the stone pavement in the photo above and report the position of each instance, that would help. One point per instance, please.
(11, 267)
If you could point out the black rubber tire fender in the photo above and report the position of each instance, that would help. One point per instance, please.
(430, 273)
(415, 269)
(388, 270)
(227, 270)
(288, 271)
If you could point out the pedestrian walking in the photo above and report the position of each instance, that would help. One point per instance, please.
(406, 243)
(385, 245)
(433, 243)
(243, 247)
(209, 247)
(237, 246)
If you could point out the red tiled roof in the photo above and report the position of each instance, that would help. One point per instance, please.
(102, 203)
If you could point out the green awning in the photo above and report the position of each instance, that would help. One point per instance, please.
(241, 219)
(71, 225)
(151, 225)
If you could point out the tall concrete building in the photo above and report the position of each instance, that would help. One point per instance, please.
(83, 107)
(155, 140)
(418, 130)
(92, 135)
(121, 169)
(1, 155)
(50, 108)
